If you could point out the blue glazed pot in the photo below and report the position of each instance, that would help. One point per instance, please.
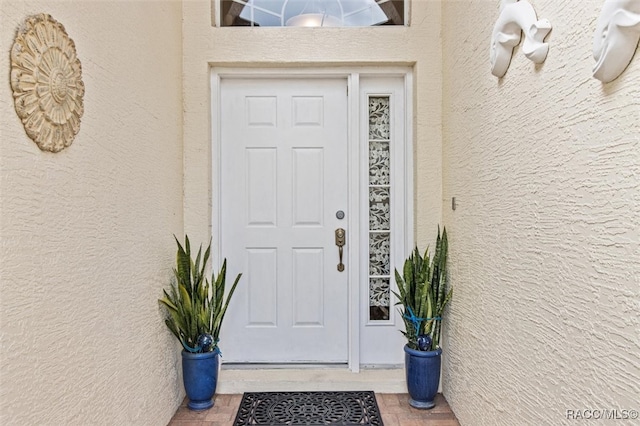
(200, 376)
(423, 376)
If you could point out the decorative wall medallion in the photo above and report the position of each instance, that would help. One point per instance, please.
(517, 17)
(46, 78)
(616, 38)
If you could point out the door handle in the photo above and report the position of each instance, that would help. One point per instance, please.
(340, 240)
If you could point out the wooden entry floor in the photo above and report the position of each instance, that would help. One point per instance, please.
(395, 410)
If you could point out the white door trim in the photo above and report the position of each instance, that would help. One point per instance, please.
(352, 74)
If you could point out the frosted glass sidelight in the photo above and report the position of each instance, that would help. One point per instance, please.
(379, 134)
(379, 163)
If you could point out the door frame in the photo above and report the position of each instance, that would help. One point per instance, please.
(354, 161)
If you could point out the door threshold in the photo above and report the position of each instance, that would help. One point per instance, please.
(279, 366)
(330, 377)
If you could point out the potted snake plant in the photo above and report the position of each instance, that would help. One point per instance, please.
(195, 309)
(423, 296)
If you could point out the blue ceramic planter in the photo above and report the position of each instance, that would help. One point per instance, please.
(423, 376)
(200, 376)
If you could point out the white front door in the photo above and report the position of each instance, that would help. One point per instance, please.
(283, 179)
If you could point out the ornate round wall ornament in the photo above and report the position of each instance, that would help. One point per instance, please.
(46, 78)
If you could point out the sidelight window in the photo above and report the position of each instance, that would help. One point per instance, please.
(379, 208)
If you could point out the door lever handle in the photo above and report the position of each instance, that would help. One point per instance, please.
(340, 241)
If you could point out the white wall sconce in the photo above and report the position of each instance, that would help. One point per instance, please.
(616, 38)
(517, 17)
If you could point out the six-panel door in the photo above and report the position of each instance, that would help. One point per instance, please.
(283, 177)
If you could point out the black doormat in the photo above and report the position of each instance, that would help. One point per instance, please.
(309, 408)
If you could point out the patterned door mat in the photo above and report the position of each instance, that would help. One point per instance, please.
(309, 408)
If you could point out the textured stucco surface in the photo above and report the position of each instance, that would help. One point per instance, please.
(419, 45)
(545, 241)
(86, 234)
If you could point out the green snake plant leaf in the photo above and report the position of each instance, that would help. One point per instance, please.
(196, 266)
(183, 264)
(186, 298)
(220, 315)
(422, 292)
(172, 327)
(408, 278)
(169, 304)
(177, 321)
(219, 286)
(193, 304)
(446, 300)
(442, 267)
(399, 302)
(401, 288)
(207, 253)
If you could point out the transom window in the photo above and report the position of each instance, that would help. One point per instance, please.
(311, 13)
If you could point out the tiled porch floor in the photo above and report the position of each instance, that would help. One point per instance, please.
(395, 411)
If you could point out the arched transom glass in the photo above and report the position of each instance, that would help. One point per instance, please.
(311, 13)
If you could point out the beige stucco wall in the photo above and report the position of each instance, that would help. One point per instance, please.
(86, 234)
(545, 242)
(545, 246)
(205, 46)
